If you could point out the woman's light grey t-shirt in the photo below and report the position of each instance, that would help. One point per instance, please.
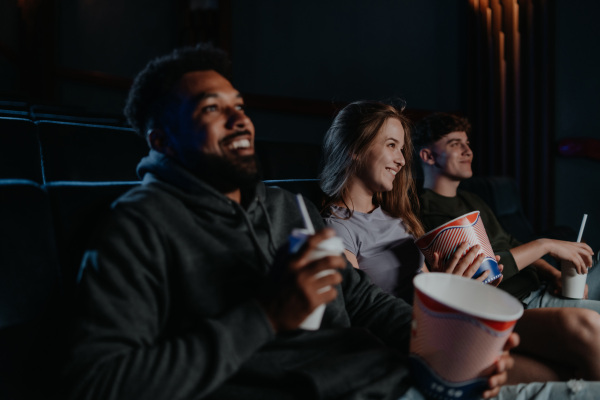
(382, 246)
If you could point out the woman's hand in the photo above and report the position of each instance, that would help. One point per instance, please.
(497, 281)
(464, 265)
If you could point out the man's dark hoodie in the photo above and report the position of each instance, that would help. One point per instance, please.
(167, 305)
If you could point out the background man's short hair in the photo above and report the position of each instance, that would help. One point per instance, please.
(437, 125)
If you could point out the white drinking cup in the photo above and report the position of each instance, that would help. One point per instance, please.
(573, 283)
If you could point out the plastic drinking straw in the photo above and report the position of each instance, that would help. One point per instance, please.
(307, 222)
(581, 229)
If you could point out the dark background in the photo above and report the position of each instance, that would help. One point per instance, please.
(296, 61)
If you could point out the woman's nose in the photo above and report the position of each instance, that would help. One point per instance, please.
(400, 160)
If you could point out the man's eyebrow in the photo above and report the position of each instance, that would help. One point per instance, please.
(201, 96)
(453, 140)
(206, 95)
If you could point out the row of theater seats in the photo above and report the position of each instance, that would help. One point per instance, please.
(37, 112)
(49, 151)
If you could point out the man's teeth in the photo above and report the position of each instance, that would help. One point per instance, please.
(240, 144)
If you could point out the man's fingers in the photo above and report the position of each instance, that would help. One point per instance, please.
(304, 257)
(319, 277)
(326, 279)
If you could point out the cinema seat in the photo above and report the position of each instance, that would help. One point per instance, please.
(280, 160)
(80, 152)
(309, 188)
(77, 209)
(30, 292)
(20, 150)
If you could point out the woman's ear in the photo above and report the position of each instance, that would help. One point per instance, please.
(427, 156)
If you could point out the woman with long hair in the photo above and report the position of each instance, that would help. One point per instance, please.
(371, 198)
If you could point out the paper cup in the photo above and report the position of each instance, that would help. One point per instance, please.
(446, 238)
(573, 284)
(459, 329)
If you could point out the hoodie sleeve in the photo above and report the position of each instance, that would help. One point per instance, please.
(121, 347)
(386, 316)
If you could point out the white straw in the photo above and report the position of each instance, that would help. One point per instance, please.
(307, 222)
(581, 229)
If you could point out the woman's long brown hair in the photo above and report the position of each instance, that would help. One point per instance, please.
(350, 136)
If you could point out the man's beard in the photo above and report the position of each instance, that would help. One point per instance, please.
(227, 175)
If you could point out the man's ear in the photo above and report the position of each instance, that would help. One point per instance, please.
(427, 156)
(159, 141)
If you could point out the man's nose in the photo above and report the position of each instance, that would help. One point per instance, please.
(467, 149)
(237, 119)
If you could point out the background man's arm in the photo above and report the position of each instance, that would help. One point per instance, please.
(579, 254)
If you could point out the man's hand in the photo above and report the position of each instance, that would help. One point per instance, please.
(458, 264)
(579, 254)
(297, 293)
(557, 284)
(499, 369)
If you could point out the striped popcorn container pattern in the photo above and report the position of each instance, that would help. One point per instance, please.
(459, 329)
(445, 240)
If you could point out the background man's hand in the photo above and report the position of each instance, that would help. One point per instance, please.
(579, 254)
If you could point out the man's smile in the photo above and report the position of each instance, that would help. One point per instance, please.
(238, 142)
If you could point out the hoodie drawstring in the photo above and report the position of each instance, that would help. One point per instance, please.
(265, 258)
(269, 226)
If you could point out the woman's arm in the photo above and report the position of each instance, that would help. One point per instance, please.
(352, 258)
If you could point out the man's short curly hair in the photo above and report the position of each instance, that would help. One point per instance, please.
(153, 86)
(435, 126)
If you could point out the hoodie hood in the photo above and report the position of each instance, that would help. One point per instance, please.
(160, 170)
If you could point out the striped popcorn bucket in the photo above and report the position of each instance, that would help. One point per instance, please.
(459, 329)
(445, 240)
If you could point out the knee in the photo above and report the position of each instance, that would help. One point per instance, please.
(583, 325)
